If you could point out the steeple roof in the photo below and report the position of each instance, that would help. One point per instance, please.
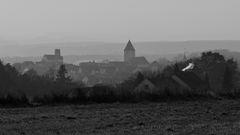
(129, 47)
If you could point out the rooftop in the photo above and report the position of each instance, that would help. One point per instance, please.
(53, 57)
(139, 61)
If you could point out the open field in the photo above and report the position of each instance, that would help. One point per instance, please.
(179, 117)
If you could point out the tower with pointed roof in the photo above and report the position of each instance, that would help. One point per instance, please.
(129, 52)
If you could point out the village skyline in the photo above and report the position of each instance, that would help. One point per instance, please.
(160, 48)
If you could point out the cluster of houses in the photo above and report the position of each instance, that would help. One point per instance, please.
(48, 63)
(112, 72)
(108, 72)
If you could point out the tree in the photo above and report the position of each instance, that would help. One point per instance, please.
(62, 75)
(212, 57)
(139, 78)
(31, 73)
(50, 74)
(176, 68)
(214, 65)
(228, 80)
(207, 80)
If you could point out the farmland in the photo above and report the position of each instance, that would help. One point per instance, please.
(173, 117)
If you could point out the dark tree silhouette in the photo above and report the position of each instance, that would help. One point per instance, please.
(31, 73)
(62, 75)
(228, 80)
(51, 74)
(176, 68)
(140, 77)
(207, 81)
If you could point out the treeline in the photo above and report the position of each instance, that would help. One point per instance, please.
(16, 88)
(212, 76)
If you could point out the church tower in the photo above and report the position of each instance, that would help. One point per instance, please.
(57, 52)
(129, 52)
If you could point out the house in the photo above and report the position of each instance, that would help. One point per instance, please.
(159, 65)
(139, 61)
(155, 67)
(91, 72)
(53, 59)
(22, 67)
(145, 86)
(113, 71)
(189, 80)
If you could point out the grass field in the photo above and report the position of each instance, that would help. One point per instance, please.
(179, 117)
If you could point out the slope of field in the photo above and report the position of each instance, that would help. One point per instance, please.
(180, 117)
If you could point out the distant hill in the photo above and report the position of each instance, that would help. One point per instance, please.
(75, 59)
(103, 48)
(81, 51)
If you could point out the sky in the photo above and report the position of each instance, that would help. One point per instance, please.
(119, 20)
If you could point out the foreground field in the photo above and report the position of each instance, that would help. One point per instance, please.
(179, 117)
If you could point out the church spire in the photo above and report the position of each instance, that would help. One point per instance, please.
(129, 47)
(129, 52)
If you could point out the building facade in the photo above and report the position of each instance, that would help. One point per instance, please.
(55, 59)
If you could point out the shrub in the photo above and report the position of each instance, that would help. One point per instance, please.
(78, 95)
(102, 93)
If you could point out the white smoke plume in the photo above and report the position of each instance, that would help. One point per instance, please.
(189, 67)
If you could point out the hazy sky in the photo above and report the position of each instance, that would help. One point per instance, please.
(119, 20)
